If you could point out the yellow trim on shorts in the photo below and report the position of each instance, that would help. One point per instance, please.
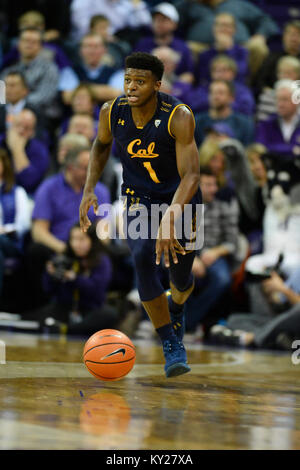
(171, 115)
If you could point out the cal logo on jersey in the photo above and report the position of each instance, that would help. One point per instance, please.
(136, 152)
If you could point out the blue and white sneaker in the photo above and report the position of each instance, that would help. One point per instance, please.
(176, 359)
(178, 320)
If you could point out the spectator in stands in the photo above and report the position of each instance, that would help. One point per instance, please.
(281, 133)
(51, 50)
(211, 156)
(221, 98)
(281, 221)
(77, 284)
(14, 214)
(274, 318)
(41, 74)
(30, 156)
(122, 15)
(224, 30)
(164, 24)
(226, 158)
(83, 101)
(223, 68)
(288, 67)
(55, 12)
(253, 26)
(109, 178)
(266, 76)
(255, 153)
(211, 266)
(55, 211)
(82, 124)
(117, 49)
(254, 228)
(171, 83)
(16, 90)
(93, 69)
(197, 20)
(68, 142)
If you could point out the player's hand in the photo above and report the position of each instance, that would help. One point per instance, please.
(166, 242)
(89, 199)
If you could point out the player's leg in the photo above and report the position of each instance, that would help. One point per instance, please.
(173, 348)
(181, 277)
(181, 287)
(155, 303)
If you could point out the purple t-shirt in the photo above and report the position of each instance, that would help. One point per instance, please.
(269, 134)
(57, 202)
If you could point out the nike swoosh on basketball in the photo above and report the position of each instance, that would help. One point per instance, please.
(117, 351)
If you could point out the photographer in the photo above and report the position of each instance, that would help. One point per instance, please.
(274, 318)
(77, 282)
(55, 211)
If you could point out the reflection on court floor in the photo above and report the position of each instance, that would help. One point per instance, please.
(232, 399)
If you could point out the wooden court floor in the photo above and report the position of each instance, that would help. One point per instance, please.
(232, 399)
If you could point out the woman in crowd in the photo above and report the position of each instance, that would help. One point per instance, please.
(77, 282)
(15, 214)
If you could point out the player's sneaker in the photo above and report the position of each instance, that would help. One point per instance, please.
(175, 355)
(178, 320)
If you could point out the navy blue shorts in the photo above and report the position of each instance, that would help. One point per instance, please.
(141, 217)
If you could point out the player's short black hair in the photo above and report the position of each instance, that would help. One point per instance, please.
(145, 61)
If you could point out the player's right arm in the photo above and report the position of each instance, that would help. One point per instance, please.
(99, 155)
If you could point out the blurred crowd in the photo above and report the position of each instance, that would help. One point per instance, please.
(238, 67)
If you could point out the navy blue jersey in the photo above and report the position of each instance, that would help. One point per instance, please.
(147, 154)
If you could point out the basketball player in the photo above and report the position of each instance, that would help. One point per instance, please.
(154, 133)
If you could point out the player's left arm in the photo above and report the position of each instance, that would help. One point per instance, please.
(187, 158)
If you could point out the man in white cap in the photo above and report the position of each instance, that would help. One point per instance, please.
(165, 19)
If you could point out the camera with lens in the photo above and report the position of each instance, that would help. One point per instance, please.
(266, 274)
(61, 264)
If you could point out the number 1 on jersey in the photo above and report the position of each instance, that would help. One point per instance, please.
(151, 172)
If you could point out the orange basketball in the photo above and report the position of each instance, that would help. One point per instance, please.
(109, 355)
